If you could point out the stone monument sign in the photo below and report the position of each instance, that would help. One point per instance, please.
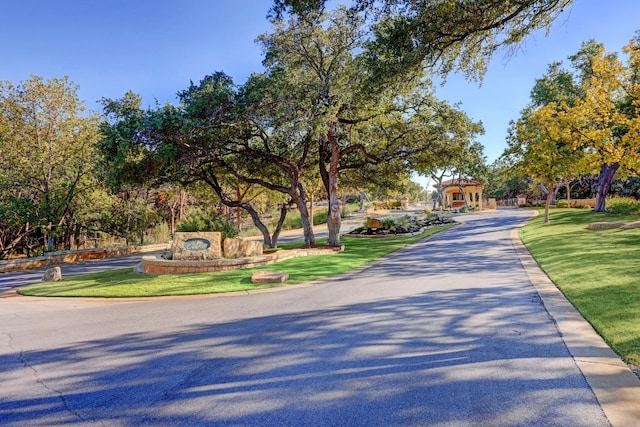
(198, 245)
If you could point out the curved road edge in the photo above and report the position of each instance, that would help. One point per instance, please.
(616, 387)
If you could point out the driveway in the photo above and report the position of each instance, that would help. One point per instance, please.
(447, 332)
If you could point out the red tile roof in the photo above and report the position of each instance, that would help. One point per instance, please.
(462, 182)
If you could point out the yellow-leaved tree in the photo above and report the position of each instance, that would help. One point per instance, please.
(540, 146)
(605, 121)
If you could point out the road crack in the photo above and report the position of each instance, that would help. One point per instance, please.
(36, 375)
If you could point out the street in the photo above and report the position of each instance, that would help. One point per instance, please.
(446, 332)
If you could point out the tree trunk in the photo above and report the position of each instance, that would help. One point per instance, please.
(333, 220)
(439, 191)
(266, 237)
(276, 233)
(181, 203)
(305, 218)
(238, 210)
(550, 197)
(440, 199)
(464, 195)
(555, 195)
(607, 172)
(49, 239)
(172, 226)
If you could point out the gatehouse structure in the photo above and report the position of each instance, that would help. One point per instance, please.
(457, 191)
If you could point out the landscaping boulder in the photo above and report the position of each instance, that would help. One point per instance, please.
(52, 275)
(374, 223)
(241, 248)
(268, 276)
(604, 225)
(635, 224)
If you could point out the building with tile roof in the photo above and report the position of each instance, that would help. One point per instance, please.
(460, 192)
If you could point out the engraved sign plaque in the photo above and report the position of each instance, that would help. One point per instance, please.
(197, 245)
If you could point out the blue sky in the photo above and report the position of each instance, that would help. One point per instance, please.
(155, 48)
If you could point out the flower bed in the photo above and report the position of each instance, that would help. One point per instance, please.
(394, 226)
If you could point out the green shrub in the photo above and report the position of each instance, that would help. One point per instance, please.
(321, 217)
(200, 221)
(562, 204)
(404, 221)
(159, 234)
(293, 221)
(623, 206)
(388, 223)
(386, 205)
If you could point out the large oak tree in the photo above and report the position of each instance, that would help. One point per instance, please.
(357, 123)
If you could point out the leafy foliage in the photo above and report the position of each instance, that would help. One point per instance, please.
(363, 131)
(623, 206)
(453, 35)
(580, 122)
(47, 144)
(201, 221)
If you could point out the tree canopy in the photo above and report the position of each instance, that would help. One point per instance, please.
(582, 120)
(344, 95)
(354, 123)
(309, 115)
(47, 146)
(450, 35)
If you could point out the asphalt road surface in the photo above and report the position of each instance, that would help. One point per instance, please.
(447, 332)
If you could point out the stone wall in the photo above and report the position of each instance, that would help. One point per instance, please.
(156, 265)
(69, 257)
(580, 203)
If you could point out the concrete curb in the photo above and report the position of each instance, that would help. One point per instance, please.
(615, 386)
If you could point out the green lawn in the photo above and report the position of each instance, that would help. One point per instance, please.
(124, 283)
(597, 270)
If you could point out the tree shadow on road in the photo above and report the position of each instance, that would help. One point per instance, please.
(474, 356)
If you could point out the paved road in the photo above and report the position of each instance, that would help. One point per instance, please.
(447, 332)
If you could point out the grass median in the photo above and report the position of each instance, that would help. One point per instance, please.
(124, 283)
(597, 270)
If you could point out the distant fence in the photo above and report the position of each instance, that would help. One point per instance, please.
(507, 202)
(575, 203)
